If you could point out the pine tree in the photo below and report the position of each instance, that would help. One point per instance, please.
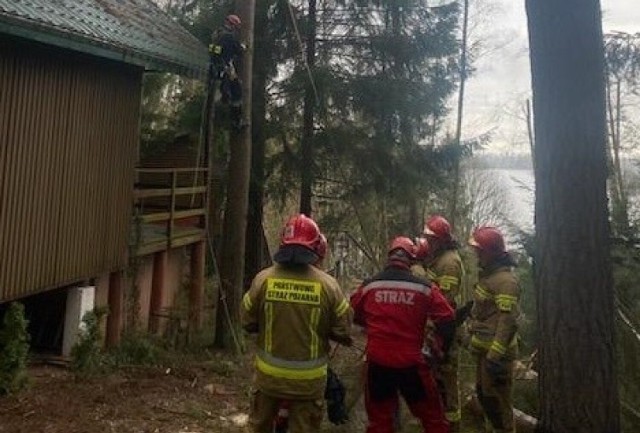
(578, 388)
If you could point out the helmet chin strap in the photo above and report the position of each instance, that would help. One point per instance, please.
(399, 262)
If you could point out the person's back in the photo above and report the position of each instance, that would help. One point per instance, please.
(226, 51)
(225, 45)
(393, 307)
(295, 308)
(229, 44)
(396, 305)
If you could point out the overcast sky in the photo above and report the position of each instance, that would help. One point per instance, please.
(497, 91)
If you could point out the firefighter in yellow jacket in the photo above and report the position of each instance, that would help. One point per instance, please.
(295, 308)
(443, 265)
(494, 326)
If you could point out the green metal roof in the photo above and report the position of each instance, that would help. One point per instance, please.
(131, 31)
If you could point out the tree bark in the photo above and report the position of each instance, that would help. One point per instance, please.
(235, 217)
(306, 152)
(578, 388)
(256, 245)
(214, 178)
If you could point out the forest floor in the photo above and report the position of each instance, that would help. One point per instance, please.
(190, 397)
(200, 394)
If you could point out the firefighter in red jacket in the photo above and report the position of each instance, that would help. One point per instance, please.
(295, 308)
(394, 306)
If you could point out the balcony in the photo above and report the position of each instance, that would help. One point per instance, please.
(169, 208)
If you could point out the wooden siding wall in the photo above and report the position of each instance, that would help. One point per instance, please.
(68, 145)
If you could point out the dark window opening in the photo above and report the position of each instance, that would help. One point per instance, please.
(45, 313)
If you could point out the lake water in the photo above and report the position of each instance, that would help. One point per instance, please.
(520, 185)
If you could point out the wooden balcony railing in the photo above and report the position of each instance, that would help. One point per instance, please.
(169, 207)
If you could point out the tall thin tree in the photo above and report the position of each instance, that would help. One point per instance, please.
(578, 388)
(622, 59)
(306, 151)
(262, 63)
(235, 217)
(458, 141)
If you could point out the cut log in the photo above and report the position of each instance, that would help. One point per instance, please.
(524, 423)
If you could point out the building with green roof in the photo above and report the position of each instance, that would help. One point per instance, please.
(70, 94)
(129, 31)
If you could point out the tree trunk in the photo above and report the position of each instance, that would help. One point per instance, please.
(455, 199)
(306, 160)
(578, 388)
(614, 191)
(255, 248)
(235, 217)
(212, 162)
(621, 211)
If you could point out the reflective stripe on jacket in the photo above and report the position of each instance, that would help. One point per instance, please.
(446, 270)
(295, 310)
(495, 313)
(394, 306)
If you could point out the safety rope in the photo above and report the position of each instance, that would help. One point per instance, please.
(223, 299)
(208, 104)
(204, 123)
(304, 59)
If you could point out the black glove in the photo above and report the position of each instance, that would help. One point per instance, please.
(430, 358)
(497, 371)
(463, 313)
(446, 331)
(334, 393)
(251, 328)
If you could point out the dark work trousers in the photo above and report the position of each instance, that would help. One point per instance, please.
(415, 384)
(495, 397)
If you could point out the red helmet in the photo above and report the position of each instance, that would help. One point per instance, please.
(422, 248)
(321, 246)
(300, 230)
(405, 244)
(437, 227)
(489, 240)
(233, 21)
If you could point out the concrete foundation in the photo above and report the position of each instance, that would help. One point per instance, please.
(80, 300)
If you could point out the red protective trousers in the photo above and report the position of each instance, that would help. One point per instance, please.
(415, 384)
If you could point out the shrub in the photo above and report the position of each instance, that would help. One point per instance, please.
(137, 349)
(86, 355)
(14, 350)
